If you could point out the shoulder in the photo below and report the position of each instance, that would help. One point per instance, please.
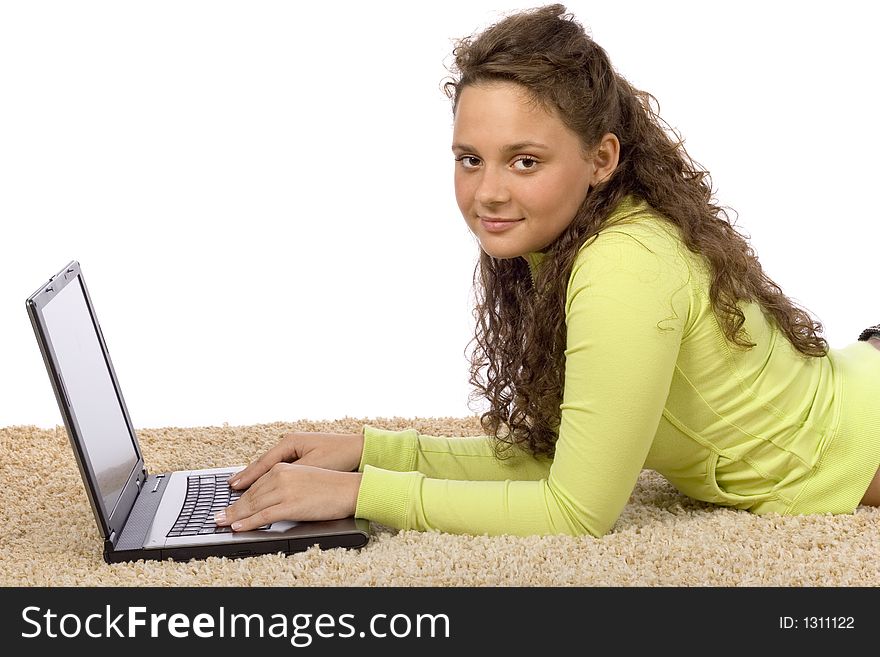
(642, 239)
(643, 263)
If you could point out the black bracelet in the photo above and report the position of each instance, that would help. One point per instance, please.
(870, 332)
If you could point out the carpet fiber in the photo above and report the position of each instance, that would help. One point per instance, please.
(49, 536)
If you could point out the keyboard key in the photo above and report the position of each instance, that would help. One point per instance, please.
(205, 496)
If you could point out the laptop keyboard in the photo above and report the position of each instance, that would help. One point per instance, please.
(206, 494)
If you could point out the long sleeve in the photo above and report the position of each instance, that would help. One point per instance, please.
(470, 458)
(627, 305)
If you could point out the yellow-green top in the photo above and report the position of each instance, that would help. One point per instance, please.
(650, 382)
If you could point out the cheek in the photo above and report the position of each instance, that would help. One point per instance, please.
(562, 198)
(542, 198)
(463, 193)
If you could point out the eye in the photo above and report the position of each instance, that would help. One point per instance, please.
(468, 161)
(525, 162)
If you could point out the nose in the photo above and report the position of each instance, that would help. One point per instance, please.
(492, 189)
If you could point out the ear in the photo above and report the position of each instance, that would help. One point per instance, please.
(605, 158)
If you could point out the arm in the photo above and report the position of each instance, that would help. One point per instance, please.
(470, 458)
(626, 310)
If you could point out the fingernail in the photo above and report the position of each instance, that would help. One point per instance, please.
(234, 483)
(236, 525)
(220, 517)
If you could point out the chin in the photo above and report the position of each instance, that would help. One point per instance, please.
(501, 253)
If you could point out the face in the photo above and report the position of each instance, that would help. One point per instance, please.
(520, 173)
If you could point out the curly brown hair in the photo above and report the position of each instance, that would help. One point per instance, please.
(517, 362)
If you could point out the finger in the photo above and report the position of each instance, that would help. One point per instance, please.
(280, 453)
(255, 487)
(254, 500)
(263, 517)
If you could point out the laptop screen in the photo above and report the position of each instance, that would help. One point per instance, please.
(91, 394)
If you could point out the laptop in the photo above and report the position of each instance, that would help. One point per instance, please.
(142, 515)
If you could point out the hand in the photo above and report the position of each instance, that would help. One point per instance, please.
(332, 451)
(290, 491)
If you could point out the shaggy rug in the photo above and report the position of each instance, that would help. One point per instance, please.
(48, 535)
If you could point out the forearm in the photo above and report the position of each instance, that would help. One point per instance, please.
(409, 500)
(469, 458)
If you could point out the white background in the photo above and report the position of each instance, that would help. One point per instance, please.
(260, 193)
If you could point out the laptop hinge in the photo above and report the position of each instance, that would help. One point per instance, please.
(138, 482)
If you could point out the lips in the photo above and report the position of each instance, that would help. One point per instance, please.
(497, 224)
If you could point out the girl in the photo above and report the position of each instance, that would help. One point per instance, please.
(622, 323)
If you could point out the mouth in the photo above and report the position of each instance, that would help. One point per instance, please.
(496, 224)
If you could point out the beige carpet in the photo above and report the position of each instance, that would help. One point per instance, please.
(49, 536)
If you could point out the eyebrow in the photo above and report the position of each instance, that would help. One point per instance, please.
(510, 148)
